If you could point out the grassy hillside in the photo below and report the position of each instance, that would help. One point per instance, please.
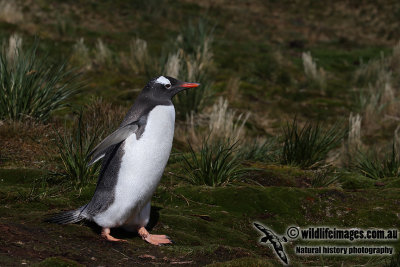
(301, 98)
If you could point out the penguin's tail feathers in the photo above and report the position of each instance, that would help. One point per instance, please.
(66, 217)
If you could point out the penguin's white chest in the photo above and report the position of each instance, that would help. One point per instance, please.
(142, 166)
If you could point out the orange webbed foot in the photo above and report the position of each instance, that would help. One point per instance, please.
(105, 233)
(157, 240)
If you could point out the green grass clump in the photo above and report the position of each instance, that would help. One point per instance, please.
(195, 48)
(262, 151)
(32, 87)
(74, 148)
(324, 178)
(370, 165)
(216, 164)
(308, 146)
(193, 100)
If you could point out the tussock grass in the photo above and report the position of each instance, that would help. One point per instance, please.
(324, 177)
(188, 58)
(139, 58)
(375, 100)
(315, 75)
(183, 59)
(377, 89)
(173, 65)
(90, 126)
(308, 146)
(216, 164)
(192, 61)
(32, 87)
(372, 165)
(100, 57)
(81, 55)
(226, 123)
(188, 69)
(353, 143)
(197, 38)
(193, 101)
(218, 123)
(74, 148)
(259, 150)
(13, 49)
(102, 54)
(10, 11)
(100, 114)
(354, 136)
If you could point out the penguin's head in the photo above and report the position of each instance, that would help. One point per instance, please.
(166, 87)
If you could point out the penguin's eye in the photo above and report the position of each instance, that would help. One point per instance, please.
(167, 86)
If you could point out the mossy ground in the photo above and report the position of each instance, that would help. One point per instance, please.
(208, 225)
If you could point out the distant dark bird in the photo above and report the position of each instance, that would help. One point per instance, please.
(134, 158)
(275, 241)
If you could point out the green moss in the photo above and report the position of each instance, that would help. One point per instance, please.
(356, 181)
(280, 175)
(202, 220)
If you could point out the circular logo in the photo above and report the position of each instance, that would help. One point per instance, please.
(292, 232)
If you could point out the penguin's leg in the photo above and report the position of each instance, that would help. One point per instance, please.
(105, 232)
(142, 220)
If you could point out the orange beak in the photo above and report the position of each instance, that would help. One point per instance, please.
(190, 85)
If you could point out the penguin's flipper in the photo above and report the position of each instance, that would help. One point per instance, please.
(116, 137)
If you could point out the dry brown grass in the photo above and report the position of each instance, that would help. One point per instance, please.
(103, 56)
(232, 88)
(26, 144)
(314, 74)
(11, 11)
(216, 123)
(139, 55)
(31, 144)
(13, 48)
(174, 64)
(354, 139)
(103, 115)
(226, 123)
(81, 55)
(99, 57)
(378, 91)
(189, 65)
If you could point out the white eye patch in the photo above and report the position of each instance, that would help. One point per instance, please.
(163, 80)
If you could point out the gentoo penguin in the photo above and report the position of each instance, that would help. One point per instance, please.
(133, 161)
